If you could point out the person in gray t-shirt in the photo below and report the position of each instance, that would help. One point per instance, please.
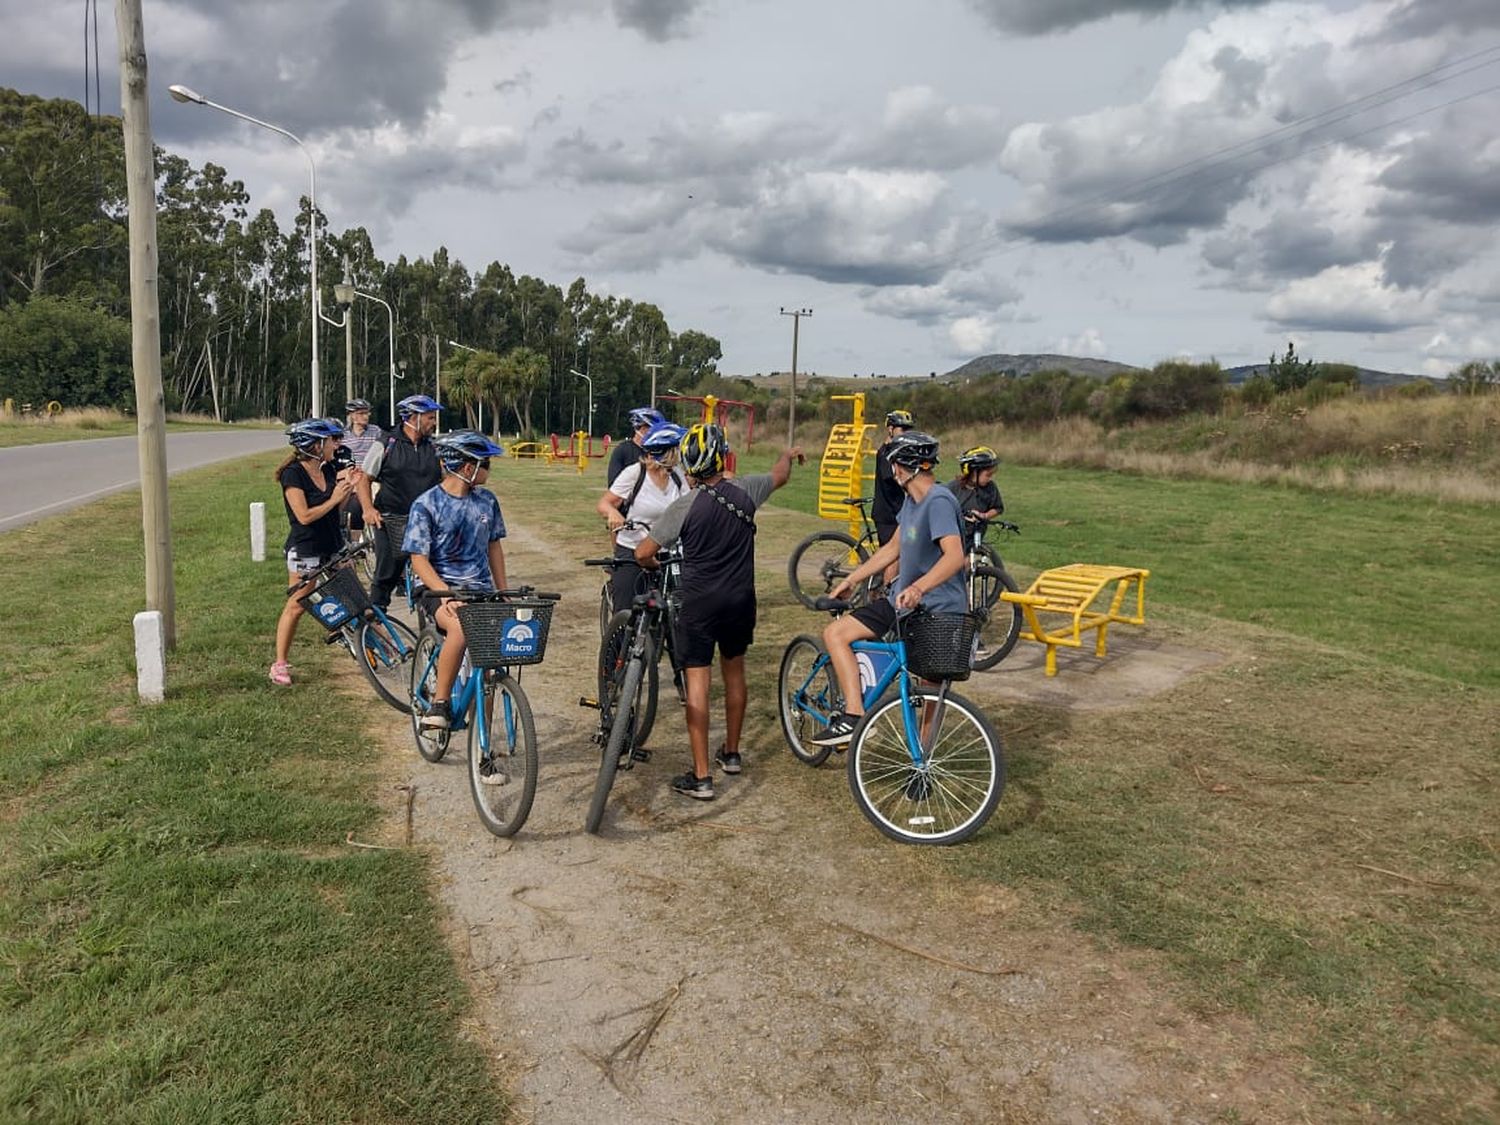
(929, 547)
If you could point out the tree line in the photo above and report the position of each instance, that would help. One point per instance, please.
(235, 301)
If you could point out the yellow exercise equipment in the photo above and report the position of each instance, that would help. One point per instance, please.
(1071, 592)
(842, 472)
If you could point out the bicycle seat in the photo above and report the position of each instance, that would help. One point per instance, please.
(830, 605)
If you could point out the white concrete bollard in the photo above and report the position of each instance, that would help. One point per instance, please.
(150, 656)
(257, 532)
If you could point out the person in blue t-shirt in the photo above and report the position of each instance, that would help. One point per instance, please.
(453, 536)
(929, 548)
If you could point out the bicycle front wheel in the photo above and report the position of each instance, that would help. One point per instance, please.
(999, 621)
(606, 607)
(613, 654)
(806, 701)
(946, 799)
(431, 744)
(621, 739)
(385, 647)
(820, 562)
(502, 775)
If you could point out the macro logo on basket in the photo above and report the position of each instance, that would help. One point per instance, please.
(519, 639)
(330, 611)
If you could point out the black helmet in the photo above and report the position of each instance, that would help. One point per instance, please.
(458, 446)
(305, 436)
(356, 404)
(900, 418)
(976, 460)
(913, 450)
(704, 448)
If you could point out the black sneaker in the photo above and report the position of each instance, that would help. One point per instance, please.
(838, 732)
(437, 718)
(728, 760)
(691, 785)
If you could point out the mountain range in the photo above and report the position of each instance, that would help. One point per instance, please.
(1030, 364)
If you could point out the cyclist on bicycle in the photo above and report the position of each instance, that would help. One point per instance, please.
(715, 523)
(642, 492)
(974, 487)
(929, 552)
(628, 452)
(312, 493)
(453, 536)
(888, 494)
(359, 435)
(406, 466)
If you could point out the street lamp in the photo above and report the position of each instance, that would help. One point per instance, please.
(343, 296)
(590, 382)
(186, 95)
(466, 348)
(390, 315)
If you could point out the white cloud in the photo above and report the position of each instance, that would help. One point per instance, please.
(1349, 299)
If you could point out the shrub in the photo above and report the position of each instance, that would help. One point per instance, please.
(57, 348)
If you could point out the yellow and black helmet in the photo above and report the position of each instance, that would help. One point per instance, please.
(704, 448)
(978, 459)
(900, 418)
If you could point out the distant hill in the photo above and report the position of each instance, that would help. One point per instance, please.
(1368, 376)
(1031, 364)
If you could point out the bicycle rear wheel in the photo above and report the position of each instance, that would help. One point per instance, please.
(613, 654)
(820, 562)
(606, 607)
(431, 744)
(385, 647)
(947, 799)
(999, 621)
(806, 701)
(502, 776)
(620, 742)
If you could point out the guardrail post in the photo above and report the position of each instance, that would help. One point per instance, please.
(257, 532)
(150, 656)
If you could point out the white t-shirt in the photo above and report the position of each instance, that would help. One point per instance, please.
(649, 503)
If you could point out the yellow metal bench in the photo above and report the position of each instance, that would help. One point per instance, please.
(1074, 592)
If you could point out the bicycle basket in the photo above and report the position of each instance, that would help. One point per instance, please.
(336, 598)
(940, 646)
(504, 634)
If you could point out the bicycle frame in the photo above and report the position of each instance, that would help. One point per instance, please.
(895, 669)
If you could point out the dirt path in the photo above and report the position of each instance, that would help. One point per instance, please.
(769, 957)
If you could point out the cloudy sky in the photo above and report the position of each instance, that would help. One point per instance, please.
(1132, 179)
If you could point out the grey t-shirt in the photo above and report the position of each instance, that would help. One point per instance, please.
(920, 527)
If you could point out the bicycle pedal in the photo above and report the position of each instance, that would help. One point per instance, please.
(333, 638)
(584, 701)
(640, 754)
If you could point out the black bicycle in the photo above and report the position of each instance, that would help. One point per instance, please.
(825, 558)
(627, 678)
(999, 622)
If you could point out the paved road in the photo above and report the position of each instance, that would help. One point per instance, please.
(43, 480)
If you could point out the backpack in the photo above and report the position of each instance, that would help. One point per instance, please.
(635, 489)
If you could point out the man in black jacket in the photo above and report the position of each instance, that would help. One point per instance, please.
(406, 466)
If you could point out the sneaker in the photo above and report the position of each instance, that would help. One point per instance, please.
(840, 729)
(728, 760)
(691, 785)
(281, 673)
(437, 717)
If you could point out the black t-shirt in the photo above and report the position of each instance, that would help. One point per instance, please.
(889, 496)
(980, 498)
(624, 455)
(718, 546)
(320, 538)
(406, 472)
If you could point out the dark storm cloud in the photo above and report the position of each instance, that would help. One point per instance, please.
(658, 20)
(1292, 243)
(1038, 17)
(1451, 172)
(1429, 17)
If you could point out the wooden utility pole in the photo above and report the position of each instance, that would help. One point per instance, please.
(791, 409)
(145, 320)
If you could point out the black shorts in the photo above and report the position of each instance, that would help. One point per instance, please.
(706, 620)
(879, 616)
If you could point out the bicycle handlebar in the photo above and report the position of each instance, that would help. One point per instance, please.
(493, 595)
(344, 554)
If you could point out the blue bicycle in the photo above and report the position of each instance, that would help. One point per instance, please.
(924, 764)
(504, 629)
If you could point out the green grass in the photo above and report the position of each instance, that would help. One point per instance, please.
(1305, 837)
(185, 934)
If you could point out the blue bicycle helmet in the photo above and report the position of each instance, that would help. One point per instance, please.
(417, 404)
(662, 438)
(305, 436)
(458, 447)
(355, 404)
(645, 416)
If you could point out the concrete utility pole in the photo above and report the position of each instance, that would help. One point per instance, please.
(145, 317)
(653, 368)
(791, 410)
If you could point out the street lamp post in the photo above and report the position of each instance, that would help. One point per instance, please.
(343, 296)
(184, 94)
(390, 315)
(589, 420)
(466, 348)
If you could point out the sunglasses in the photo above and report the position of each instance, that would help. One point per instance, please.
(483, 463)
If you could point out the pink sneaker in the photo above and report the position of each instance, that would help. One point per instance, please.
(281, 673)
